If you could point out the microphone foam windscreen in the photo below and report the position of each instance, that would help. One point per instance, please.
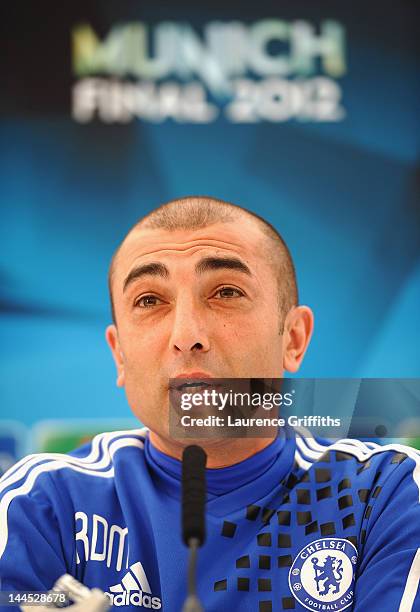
(193, 494)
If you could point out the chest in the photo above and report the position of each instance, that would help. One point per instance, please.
(299, 555)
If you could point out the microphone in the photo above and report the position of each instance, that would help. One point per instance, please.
(193, 515)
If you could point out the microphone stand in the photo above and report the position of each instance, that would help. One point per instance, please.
(192, 603)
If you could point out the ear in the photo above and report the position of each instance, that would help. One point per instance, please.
(111, 335)
(298, 328)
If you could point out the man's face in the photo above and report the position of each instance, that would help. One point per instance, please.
(209, 305)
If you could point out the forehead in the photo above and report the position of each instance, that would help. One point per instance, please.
(243, 238)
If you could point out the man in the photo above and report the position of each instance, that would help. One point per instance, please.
(204, 289)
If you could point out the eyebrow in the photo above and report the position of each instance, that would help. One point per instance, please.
(149, 269)
(204, 265)
(222, 263)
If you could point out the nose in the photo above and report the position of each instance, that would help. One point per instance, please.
(189, 331)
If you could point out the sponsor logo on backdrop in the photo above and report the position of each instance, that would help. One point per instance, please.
(269, 70)
(322, 575)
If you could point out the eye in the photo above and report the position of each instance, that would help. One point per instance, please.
(229, 292)
(147, 301)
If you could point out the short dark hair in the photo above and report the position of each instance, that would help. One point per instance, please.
(194, 212)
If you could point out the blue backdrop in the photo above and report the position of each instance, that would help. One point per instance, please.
(343, 192)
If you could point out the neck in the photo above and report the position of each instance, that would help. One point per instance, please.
(220, 453)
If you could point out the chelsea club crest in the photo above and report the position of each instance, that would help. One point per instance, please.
(322, 574)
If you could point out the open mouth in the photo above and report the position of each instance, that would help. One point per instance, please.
(190, 385)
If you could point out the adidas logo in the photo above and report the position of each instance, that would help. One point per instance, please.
(134, 590)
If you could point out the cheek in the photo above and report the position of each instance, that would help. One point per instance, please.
(144, 348)
(141, 345)
(252, 348)
(141, 363)
(259, 330)
(141, 388)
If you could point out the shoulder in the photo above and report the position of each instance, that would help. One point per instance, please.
(39, 471)
(41, 490)
(364, 464)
